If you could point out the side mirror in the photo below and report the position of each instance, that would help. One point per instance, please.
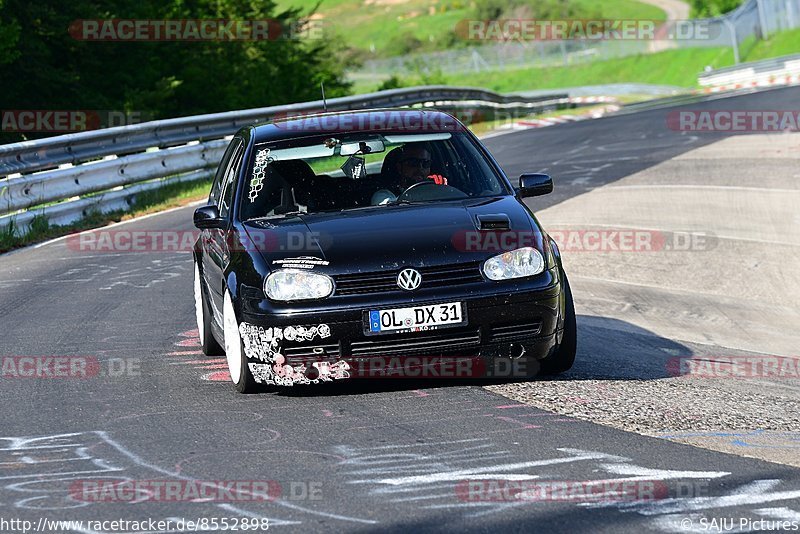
(534, 184)
(208, 217)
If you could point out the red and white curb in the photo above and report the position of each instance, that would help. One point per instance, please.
(559, 119)
(762, 82)
(592, 100)
(191, 355)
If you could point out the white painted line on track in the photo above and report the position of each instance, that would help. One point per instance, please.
(692, 186)
(584, 224)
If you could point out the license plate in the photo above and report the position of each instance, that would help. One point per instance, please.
(416, 318)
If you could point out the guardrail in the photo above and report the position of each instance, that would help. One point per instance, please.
(64, 178)
(763, 72)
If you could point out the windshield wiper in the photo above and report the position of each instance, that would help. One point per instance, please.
(276, 216)
(403, 202)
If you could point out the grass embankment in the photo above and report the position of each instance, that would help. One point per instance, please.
(383, 28)
(678, 67)
(672, 67)
(780, 44)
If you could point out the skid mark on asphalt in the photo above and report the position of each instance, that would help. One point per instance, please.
(127, 272)
(428, 475)
(41, 473)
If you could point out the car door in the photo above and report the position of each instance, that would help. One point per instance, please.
(217, 254)
(213, 200)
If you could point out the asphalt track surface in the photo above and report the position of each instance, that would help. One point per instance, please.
(380, 456)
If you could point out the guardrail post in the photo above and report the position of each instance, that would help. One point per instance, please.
(734, 41)
(762, 20)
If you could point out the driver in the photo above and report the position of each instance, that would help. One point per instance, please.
(413, 166)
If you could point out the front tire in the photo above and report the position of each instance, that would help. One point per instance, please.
(237, 361)
(208, 344)
(564, 356)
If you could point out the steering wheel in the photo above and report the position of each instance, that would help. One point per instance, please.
(417, 185)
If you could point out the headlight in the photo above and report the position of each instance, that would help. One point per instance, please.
(514, 264)
(293, 284)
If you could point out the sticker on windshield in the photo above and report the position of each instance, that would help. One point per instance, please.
(259, 173)
(355, 167)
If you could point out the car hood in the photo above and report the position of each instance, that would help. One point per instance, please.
(391, 237)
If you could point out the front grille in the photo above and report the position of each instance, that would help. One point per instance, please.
(386, 281)
(430, 344)
(514, 332)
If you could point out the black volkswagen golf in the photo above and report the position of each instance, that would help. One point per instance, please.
(375, 243)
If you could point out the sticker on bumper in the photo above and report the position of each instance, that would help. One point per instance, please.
(264, 344)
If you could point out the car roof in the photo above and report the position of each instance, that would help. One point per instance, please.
(383, 121)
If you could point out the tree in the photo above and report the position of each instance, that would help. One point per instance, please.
(713, 8)
(53, 70)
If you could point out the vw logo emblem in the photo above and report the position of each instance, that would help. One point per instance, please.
(409, 279)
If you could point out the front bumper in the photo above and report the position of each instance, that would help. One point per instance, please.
(302, 347)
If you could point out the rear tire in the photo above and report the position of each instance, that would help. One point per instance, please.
(237, 361)
(564, 356)
(208, 344)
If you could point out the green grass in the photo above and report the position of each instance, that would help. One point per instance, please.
(382, 28)
(152, 201)
(334, 163)
(781, 44)
(378, 28)
(621, 9)
(672, 67)
(678, 67)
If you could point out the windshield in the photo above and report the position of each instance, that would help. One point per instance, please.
(351, 172)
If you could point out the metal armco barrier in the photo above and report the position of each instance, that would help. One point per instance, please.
(65, 177)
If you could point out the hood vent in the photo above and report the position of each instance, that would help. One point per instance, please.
(494, 221)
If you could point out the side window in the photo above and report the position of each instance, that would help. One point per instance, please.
(216, 187)
(229, 180)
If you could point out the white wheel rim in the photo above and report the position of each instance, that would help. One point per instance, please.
(233, 342)
(198, 304)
